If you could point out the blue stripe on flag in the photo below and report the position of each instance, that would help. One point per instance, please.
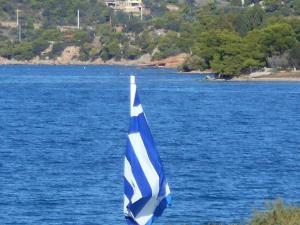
(137, 207)
(162, 206)
(128, 190)
(137, 171)
(130, 221)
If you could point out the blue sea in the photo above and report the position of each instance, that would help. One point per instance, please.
(227, 147)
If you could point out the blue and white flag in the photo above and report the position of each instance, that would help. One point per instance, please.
(146, 191)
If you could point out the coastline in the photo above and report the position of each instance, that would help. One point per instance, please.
(286, 76)
(72, 62)
(68, 59)
(170, 62)
(283, 76)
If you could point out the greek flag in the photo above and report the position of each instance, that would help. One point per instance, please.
(146, 191)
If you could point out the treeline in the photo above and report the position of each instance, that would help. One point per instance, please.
(231, 43)
(228, 38)
(276, 44)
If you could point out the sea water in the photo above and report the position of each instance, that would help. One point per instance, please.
(227, 147)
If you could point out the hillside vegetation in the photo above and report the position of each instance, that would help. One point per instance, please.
(222, 36)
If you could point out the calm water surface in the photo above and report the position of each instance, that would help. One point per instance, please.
(226, 147)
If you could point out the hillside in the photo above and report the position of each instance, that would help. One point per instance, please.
(218, 35)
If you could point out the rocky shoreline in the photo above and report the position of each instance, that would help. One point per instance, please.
(70, 57)
(145, 61)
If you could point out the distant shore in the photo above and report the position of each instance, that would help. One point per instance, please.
(274, 76)
(67, 58)
(284, 76)
(170, 62)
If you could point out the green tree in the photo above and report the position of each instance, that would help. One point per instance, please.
(295, 56)
(146, 42)
(209, 44)
(6, 49)
(249, 19)
(81, 37)
(278, 38)
(131, 52)
(39, 45)
(227, 66)
(253, 47)
(51, 35)
(23, 51)
(170, 21)
(193, 63)
(103, 30)
(111, 50)
(293, 21)
(167, 45)
(84, 52)
(227, 53)
(296, 7)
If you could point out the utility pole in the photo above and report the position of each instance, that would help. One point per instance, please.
(243, 2)
(17, 17)
(78, 19)
(18, 27)
(20, 33)
(141, 12)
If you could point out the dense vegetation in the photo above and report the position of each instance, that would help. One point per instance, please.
(277, 213)
(227, 38)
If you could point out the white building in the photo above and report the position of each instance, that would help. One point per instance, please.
(129, 6)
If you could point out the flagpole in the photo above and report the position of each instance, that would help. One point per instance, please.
(132, 92)
(143, 173)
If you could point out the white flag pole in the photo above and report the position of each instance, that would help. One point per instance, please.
(132, 92)
(78, 19)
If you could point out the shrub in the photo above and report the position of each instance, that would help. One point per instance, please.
(51, 35)
(111, 50)
(167, 46)
(131, 52)
(193, 63)
(23, 51)
(6, 49)
(277, 214)
(39, 45)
